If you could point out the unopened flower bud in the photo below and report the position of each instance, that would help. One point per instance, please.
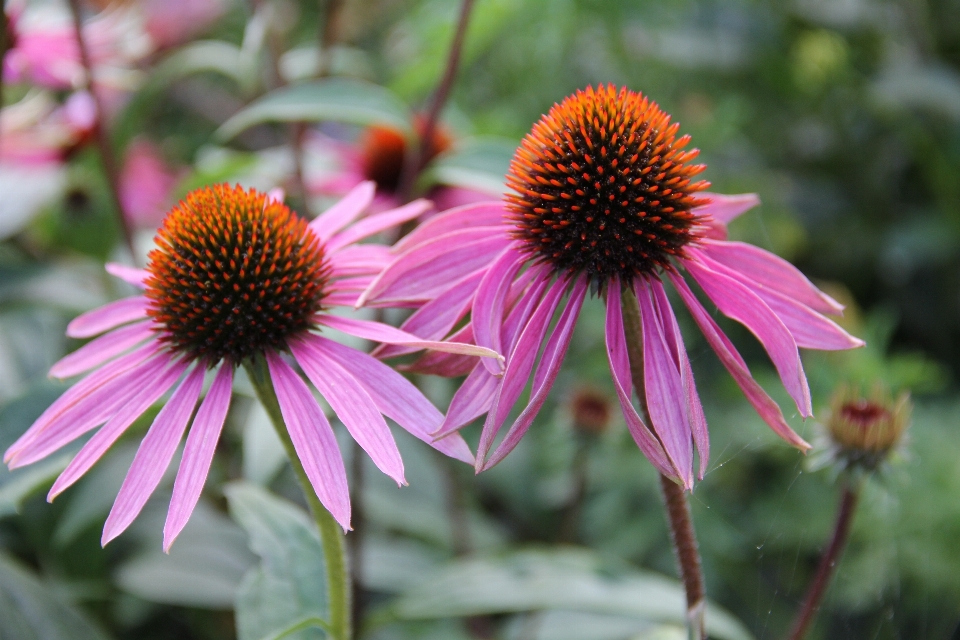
(590, 410)
(863, 431)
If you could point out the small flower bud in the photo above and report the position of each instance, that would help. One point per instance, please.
(590, 410)
(863, 431)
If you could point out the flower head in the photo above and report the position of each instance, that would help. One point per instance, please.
(604, 195)
(237, 275)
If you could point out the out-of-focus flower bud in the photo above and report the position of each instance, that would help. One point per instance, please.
(590, 410)
(861, 432)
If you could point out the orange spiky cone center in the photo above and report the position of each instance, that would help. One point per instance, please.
(233, 275)
(602, 186)
(383, 151)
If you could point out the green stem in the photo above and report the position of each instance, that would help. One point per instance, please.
(674, 497)
(331, 537)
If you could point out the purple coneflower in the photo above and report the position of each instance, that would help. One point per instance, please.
(604, 198)
(236, 275)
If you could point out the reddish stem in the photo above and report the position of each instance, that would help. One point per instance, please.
(828, 562)
(100, 129)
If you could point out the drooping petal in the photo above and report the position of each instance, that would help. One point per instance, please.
(546, 374)
(666, 398)
(130, 275)
(102, 349)
(360, 259)
(345, 211)
(88, 413)
(769, 270)
(395, 396)
(737, 301)
(377, 223)
(671, 332)
(430, 269)
(447, 365)
(619, 359)
(379, 332)
(353, 406)
(762, 403)
(312, 438)
(480, 214)
(198, 454)
(725, 208)
(519, 367)
(154, 455)
(109, 433)
(66, 404)
(488, 304)
(472, 399)
(436, 318)
(809, 329)
(107, 317)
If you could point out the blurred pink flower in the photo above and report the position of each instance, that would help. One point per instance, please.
(172, 22)
(147, 184)
(237, 275)
(604, 198)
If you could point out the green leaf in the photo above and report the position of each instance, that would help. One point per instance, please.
(566, 580)
(202, 56)
(30, 611)
(339, 99)
(204, 566)
(289, 586)
(478, 163)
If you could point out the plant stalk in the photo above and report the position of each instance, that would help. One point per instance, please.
(416, 163)
(331, 537)
(4, 28)
(110, 167)
(674, 497)
(828, 562)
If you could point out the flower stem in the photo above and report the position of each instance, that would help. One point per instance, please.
(100, 128)
(4, 28)
(331, 537)
(674, 497)
(419, 159)
(821, 580)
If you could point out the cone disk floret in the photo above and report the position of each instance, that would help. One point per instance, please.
(233, 275)
(602, 186)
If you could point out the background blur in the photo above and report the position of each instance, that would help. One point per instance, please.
(843, 115)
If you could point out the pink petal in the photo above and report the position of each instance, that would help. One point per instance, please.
(809, 329)
(519, 367)
(472, 399)
(771, 271)
(107, 317)
(430, 269)
(377, 223)
(488, 303)
(671, 332)
(737, 301)
(88, 411)
(344, 212)
(104, 348)
(360, 259)
(546, 374)
(103, 439)
(154, 455)
(666, 397)
(619, 359)
(353, 406)
(130, 275)
(762, 403)
(313, 439)
(198, 454)
(379, 332)
(481, 214)
(393, 395)
(437, 318)
(725, 208)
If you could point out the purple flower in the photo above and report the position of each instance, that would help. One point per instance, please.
(604, 197)
(237, 275)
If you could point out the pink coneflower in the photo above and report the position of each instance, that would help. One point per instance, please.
(379, 155)
(236, 275)
(147, 184)
(604, 198)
